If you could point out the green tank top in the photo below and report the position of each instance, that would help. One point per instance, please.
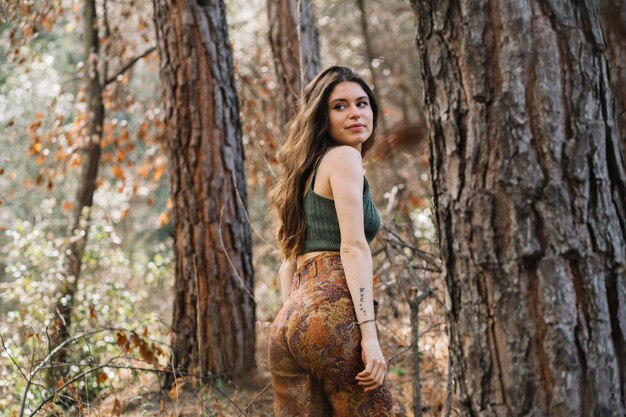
(322, 230)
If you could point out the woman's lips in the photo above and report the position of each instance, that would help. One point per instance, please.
(356, 127)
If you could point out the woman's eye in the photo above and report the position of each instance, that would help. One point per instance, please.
(339, 107)
(362, 104)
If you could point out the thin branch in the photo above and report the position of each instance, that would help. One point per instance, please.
(46, 359)
(423, 296)
(420, 253)
(218, 389)
(254, 399)
(71, 381)
(11, 357)
(408, 348)
(108, 364)
(61, 345)
(129, 65)
(245, 212)
(219, 234)
(205, 407)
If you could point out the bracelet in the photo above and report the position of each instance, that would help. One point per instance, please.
(365, 321)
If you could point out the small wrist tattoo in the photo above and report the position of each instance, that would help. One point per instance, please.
(361, 299)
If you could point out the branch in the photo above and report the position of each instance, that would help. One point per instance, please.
(420, 253)
(71, 381)
(417, 300)
(206, 379)
(11, 357)
(254, 399)
(61, 345)
(408, 348)
(232, 265)
(243, 208)
(129, 65)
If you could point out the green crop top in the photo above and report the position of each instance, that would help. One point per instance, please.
(322, 230)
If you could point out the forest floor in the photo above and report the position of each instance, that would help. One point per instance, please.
(252, 395)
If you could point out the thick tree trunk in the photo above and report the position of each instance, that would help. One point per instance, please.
(214, 317)
(613, 15)
(295, 46)
(79, 225)
(530, 195)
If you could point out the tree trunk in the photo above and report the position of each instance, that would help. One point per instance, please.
(613, 15)
(62, 308)
(295, 46)
(214, 317)
(415, 356)
(369, 56)
(530, 195)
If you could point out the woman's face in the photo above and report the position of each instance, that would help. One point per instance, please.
(350, 114)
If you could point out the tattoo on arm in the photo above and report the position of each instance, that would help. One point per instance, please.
(362, 300)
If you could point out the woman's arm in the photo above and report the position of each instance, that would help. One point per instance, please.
(346, 182)
(285, 275)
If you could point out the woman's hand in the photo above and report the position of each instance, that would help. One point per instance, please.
(375, 370)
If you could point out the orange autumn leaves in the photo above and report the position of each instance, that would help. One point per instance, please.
(55, 146)
(148, 350)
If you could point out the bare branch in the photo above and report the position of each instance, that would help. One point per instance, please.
(11, 357)
(255, 398)
(129, 65)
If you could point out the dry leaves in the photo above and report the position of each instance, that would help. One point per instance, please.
(176, 389)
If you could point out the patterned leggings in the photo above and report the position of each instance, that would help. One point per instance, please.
(315, 350)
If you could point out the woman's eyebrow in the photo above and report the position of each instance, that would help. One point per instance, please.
(345, 99)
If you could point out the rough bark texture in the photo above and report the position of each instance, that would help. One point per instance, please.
(369, 56)
(530, 193)
(415, 356)
(79, 228)
(214, 317)
(613, 18)
(295, 46)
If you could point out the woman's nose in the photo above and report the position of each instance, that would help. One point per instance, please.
(354, 111)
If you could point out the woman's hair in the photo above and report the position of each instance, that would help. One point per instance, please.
(307, 140)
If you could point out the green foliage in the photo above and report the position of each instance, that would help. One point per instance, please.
(113, 293)
(397, 370)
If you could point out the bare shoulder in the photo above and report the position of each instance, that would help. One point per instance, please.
(344, 158)
(340, 171)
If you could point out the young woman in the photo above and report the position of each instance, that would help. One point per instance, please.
(324, 354)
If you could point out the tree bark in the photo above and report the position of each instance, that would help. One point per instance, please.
(369, 56)
(530, 192)
(214, 317)
(295, 46)
(613, 18)
(79, 225)
(415, 356)
(369, 51)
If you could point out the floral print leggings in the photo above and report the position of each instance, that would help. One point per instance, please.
(315, 348)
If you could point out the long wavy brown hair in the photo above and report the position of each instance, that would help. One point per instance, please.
(307, 140)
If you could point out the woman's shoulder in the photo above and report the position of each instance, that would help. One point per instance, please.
(344, 155)
(342, 162)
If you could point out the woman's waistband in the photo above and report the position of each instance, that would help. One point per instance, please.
(325, 261)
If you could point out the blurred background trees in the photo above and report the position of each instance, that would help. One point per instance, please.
(295, 46)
